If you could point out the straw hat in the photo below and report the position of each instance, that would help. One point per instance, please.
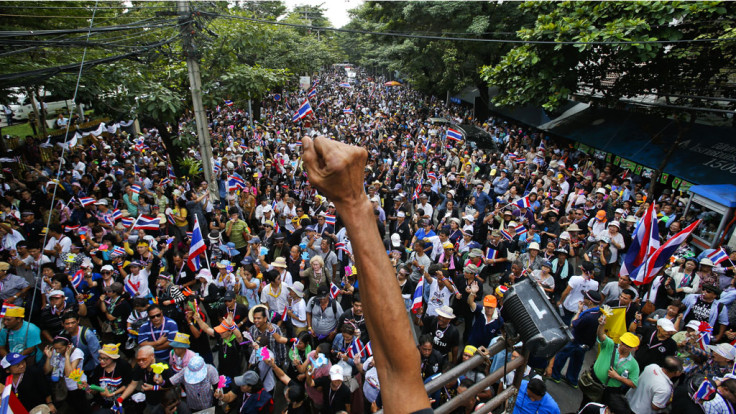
(111, 350)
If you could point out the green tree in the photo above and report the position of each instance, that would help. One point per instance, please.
(604, 72)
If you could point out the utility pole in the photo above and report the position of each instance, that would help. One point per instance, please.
(191, 52)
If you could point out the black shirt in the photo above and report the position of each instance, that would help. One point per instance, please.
(652, 350)
(335, 401)
(432, 364)
(443, 339)
(146, 377)
(33, 387)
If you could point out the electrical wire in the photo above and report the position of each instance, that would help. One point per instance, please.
(49, 72)
(465, 39)
(142, 24)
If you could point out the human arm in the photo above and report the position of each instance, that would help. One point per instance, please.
(601, 328)
(277, 371)
(471, 296)
(336, 169)
(564, 295)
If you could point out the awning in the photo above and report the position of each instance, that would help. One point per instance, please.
(707, 154)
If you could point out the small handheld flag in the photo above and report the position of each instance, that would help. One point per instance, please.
(334, 291)
(454, 135)
(330, 219)
(491, 254)
(417, 298)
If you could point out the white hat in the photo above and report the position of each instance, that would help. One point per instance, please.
(298, 288)
(565, 235)
(666, 324)
(725, 350)
(469, 217)
(533, 246)
(601, 191)
(106, 268)
(395, 240)
(336, 373)
(614, 223)
(101, 202)
(706, 261)
(446, 312)
(693, 324)
(400, 214)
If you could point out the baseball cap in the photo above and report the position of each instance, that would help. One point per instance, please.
(12, 359)
(666, 325)
(593, 295)
(490, 301)
(249, 378)
(336, 373)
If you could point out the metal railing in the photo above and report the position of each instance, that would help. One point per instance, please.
(482, 356)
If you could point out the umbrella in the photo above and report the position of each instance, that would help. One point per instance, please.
(392, 83)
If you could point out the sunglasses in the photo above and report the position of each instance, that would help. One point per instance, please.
(158, 315)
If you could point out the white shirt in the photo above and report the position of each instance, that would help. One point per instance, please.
(654, 388)
(11, 239)
(57, 367)
(142, 278)
(578, 285)
(276, 301)
(300, 310)
(66, 245)
(438, 297)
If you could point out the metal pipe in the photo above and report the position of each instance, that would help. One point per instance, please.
(471, 392)
(461, 369)
(496, 401)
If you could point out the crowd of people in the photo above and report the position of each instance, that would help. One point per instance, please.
(105, 309)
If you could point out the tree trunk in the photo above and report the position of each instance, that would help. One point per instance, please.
(41, 113)
(681, 130)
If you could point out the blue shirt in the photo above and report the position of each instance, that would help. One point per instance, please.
(16, 339)
(524, 404)
(481, 333)
(585, 327)
(149, 333)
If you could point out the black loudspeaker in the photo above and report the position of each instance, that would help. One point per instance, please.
(535, 319)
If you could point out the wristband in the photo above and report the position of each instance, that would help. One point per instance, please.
(156, 387)
(80, 302)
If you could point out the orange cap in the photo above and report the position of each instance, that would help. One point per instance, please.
(601, 215)
(490, 301)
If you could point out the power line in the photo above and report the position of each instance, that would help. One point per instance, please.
(45, 73)
(65, 17)
(466, 39)
(134, 25)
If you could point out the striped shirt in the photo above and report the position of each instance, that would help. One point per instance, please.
(148, 332)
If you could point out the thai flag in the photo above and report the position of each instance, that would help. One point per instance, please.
(432, 176)
(647, 270)
(330, 219)
(169, 242)
(164, 182)
(196, 247)
(276, 227)
(127, 221)
(304, 110)
(170, 219)
(217, 169)
(108, 219)
(315, 83)
(117, 215)
(114, 204)
(131, 287)
(10, 404)
(135, 188)
(118, 251)
(345, 85)
(705, 331)
(334, 290)
(348, 111)
(520, 229)
(146, 223)
(506, 235)
(523, 202)
(85, 201)
(416, 300)
(285, 314)
(111, 382)
(704, 393)
(341, 247)
(312, 92)
(171, 173)
(454, 135)
(189, 235)
(71, 228)
(417, 190)
(368, 349)
(228, 102)
(5, 307)
(718, 256)
(520, 160)
(356, 348)
(491, 253)
(512, 156)
(322, 102)
(77, 279)
(235, 183)
(542, 146)
(644, 242)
